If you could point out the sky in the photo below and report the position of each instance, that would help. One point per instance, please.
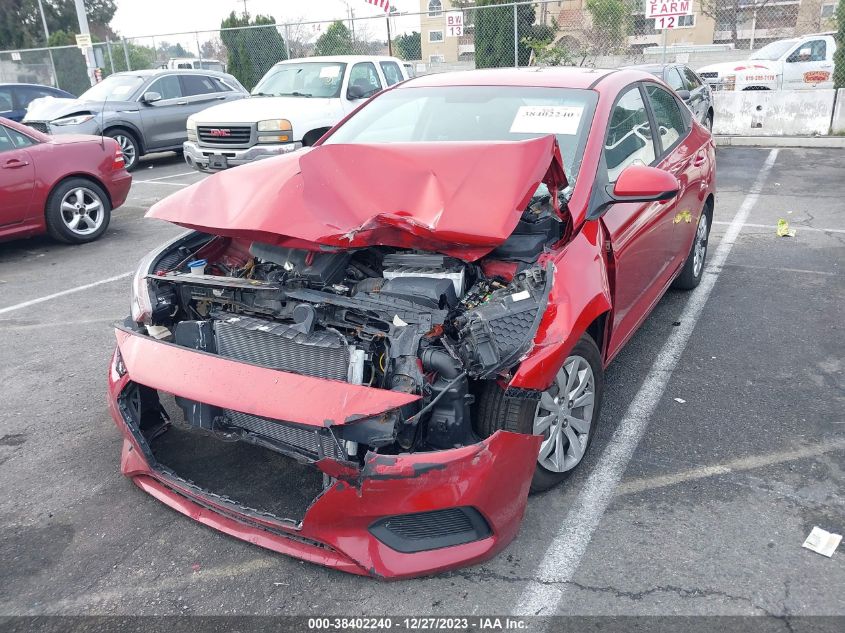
(154, 17)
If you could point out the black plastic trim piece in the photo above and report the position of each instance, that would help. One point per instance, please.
(424, 531)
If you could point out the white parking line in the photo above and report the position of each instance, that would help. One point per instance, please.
(56, 295)
(153, 182)
(558, 565)
(798, 227)
(187, 173)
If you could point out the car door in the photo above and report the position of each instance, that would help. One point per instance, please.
(808, 66)
(681, 155)
(164, 120)
(203, 91)
(363, 81)
(17, 175)
(640, 233)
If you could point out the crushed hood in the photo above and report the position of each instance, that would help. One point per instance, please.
(461, 199)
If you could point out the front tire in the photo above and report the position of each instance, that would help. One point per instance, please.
(78, 211)
(128, 146)
(566, 414)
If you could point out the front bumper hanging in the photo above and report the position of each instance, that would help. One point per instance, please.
(396, 516)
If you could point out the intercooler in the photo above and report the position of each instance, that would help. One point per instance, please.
(321, 353)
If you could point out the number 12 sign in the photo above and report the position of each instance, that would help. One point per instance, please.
(670, 14)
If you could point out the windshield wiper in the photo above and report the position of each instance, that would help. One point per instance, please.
(295, 93)
(262, 94)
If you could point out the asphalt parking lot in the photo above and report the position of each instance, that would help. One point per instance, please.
(694, 501)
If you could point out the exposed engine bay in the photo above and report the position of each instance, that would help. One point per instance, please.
(411, 321)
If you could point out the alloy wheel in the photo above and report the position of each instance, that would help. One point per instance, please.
(700, 247)
(82, 211)
(127, 148)
(564, 416)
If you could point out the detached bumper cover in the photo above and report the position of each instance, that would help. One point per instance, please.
(488, 481)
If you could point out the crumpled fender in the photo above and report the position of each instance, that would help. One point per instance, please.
(580, 294)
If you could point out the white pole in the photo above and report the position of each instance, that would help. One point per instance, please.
(663, 55)
(88, 51)
(47, 43)
(753, 28)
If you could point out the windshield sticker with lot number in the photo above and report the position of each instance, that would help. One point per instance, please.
(547, 120)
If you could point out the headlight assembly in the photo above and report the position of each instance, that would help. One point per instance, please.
(77, 119)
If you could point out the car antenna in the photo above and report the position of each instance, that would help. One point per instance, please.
(102, 125)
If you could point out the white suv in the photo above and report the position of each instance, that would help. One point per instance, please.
(293, 105)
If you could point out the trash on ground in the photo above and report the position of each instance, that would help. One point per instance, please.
(822, 541)
(681, 400)
(784, 230)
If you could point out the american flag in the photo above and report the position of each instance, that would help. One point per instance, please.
(383, 4)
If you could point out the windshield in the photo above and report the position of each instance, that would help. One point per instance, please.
(773, 51)
(475, 113)
(307, 79)
(114, 88)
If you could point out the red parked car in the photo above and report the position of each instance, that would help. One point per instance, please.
(65, 186)
(380, 344)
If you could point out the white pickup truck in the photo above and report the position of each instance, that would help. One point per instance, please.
(292, 106)
(799, 63)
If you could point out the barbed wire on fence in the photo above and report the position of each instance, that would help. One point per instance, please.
(447, 35)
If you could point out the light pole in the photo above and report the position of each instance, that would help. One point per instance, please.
(88, 51)
(47, 44)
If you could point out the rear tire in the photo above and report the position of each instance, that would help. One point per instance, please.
(693, 268)
(497, 412)
(78, 211)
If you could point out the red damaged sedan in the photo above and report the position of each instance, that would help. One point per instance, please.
(367, 353)
(65, 186)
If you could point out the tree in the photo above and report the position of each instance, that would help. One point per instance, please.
(251, 51)
(547, 51)
(611, 19)
(839, 55)
(337, 40)
(20, 20)
(407, 46)
(166, 50)
(494, 36)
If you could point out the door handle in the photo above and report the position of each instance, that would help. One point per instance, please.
(14, 163)
(181, 103)
(699, 160)
(220, 98)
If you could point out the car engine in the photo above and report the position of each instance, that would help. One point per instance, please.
(411, 321)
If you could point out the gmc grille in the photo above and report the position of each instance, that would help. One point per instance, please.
(225, 135)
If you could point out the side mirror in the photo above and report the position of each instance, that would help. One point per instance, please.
(636, 183)
(151, 97)
(355, 92)
(684, 95)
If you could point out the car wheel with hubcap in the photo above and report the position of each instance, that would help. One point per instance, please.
(128, 146)
(693, 268)
(565, 415)
(78, 211)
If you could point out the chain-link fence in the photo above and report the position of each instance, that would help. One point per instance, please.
(454, 34)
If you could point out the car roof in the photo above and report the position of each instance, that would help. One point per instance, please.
(155, 72)
(551, 77)
(27, 85)
(341, 59)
